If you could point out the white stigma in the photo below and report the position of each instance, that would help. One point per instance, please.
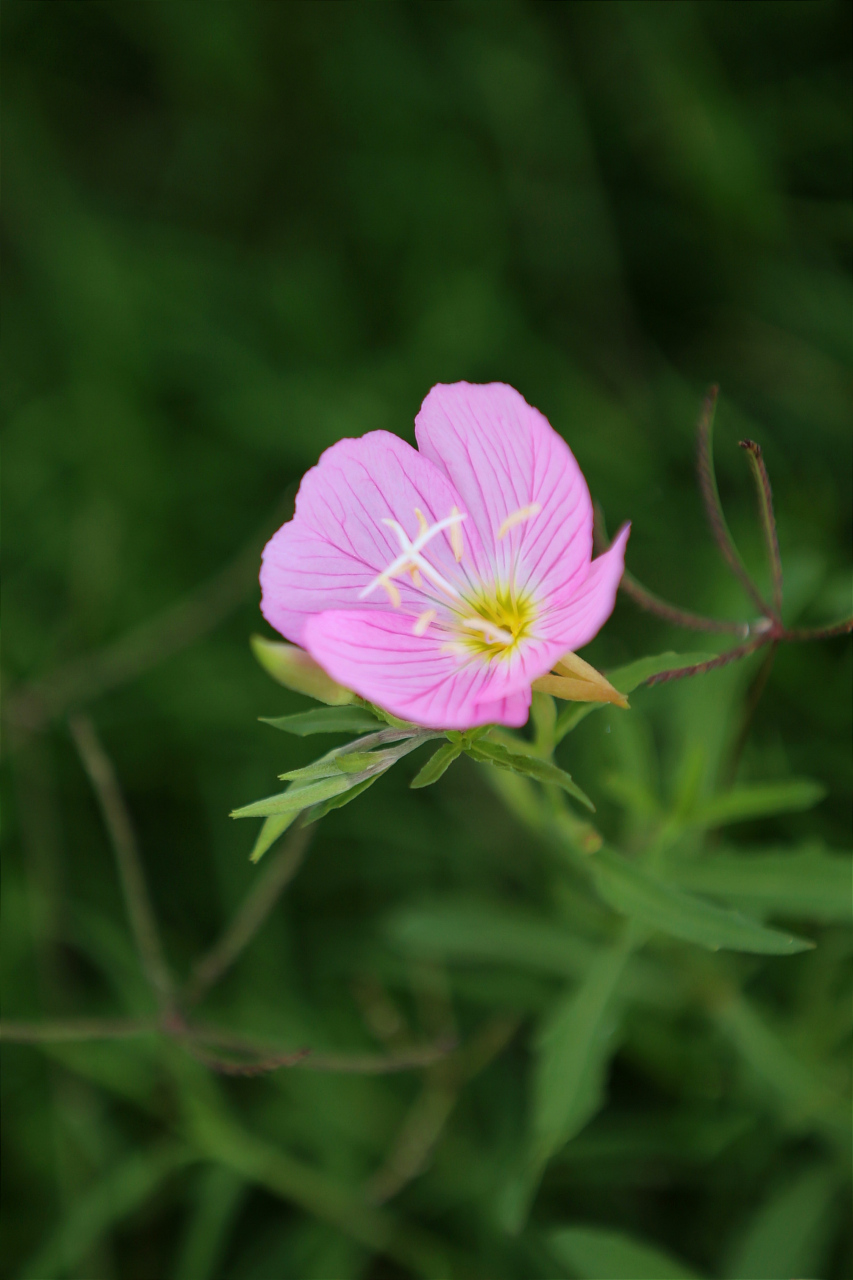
(411, 559)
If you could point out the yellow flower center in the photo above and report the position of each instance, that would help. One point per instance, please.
(499, 620)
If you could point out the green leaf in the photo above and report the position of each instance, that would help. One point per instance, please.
(757, 801)
(325, 720)
(438, 763)
(542, 770)
(318, 811)
(121, 1191)
(789, 1234)
(810, 883)
(802, 1087)
(591, 1253)
(485, 934)
(216, 1203)
(573, 1050)
(355, 756)
(633, 674)
(296, 798)
(297, 670)
(658, 905)
(273, 827)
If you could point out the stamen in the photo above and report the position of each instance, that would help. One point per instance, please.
(518, 517)
(454, 647)
(491, 632)
(422, 521)
(423, 622)
(393, 593)
(456, 536)
(417, 580)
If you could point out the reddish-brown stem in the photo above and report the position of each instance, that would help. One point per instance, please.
(654, 604)
(251, 1057)
(713, 506)
(671, 613)
(768, 519)
(819, 633)
(723, 660)
(63, 1031)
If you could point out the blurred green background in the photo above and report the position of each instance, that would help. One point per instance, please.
(234, 233)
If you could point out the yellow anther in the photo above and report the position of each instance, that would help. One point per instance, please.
(415, 575)
(423, 526)
(393, 593)
(456, 536)
(423, 622)
(518, 517)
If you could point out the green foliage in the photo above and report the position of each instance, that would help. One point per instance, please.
(611, 1255)
(230, 241)
(658, 905)
(331, 720)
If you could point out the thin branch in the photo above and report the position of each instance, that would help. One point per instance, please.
(655, 604)
(357, 1064)
(713, 506)
(252, 1057)
(233, 1067)
(723, 660)
(425, 1122)
(842, 628)
(101, 774)
(144, 646)
(768, 519)
(64, 1031)
(256, 906)
(672, 613)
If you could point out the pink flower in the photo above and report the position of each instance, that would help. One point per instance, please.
(440, 582)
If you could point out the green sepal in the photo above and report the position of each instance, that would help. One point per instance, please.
(297, 670)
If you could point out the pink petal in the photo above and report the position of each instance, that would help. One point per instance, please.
(579, 614)
(502, 455)
(378, 656)
(336, 544)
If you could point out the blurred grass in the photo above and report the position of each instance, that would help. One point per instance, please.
(232, 237)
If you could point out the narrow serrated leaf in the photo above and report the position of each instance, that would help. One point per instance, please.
(272, 828)
(318, 811)
(572, 1051)
(325, 720)
(438, 762)
(296, 798)
(659, 905)
(810, 883)
(531, 766)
